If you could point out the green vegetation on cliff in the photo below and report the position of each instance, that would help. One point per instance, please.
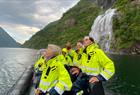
(77, 22)
(74, 25)
(127, 24)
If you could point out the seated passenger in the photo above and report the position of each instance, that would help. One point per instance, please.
(55, 78)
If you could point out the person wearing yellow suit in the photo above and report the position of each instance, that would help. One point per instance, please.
(39, 66)
(66, 57)
(96, 67)
(77, 56)
(69, 51)
(55, 78)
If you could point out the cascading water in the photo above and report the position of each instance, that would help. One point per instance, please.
(101, 29)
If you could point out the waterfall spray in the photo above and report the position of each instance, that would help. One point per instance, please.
(101, 29)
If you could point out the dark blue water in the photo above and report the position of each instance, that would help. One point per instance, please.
(126, 80)
(13, 62)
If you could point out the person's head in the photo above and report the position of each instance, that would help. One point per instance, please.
(40, 53)
(64, 51)
(88, 40)
(79, 45)
(68, 46)
(52, 51)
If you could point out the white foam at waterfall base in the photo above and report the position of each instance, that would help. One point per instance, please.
(101, 29)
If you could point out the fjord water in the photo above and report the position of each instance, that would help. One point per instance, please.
(13, 62)
(126, 80)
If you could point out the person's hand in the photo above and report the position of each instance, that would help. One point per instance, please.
(93, 80)
(75, 71)
(37, 91)
(33, 78)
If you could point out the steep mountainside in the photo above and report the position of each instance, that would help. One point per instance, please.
(74, 25)
(127, 26)
(77, 22)
(6, 40)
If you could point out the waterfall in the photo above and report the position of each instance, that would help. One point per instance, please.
(101, 29)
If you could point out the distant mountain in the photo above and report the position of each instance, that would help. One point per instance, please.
(6, 40)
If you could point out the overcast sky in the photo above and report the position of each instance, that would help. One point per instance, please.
(23, 18)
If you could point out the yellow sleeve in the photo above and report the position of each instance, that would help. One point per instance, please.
(108, 68)
(64, 81)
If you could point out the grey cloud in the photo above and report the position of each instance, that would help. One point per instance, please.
(23, 11)
(32, 13)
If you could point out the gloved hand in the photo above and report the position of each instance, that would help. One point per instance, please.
(93, 79)
(75, 71)
(53, 92)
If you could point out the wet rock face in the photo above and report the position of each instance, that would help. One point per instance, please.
(135, 49)
(105, 4)
(70, 22)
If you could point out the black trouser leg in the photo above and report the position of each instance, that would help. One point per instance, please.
(96, 89)
(80, 84)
